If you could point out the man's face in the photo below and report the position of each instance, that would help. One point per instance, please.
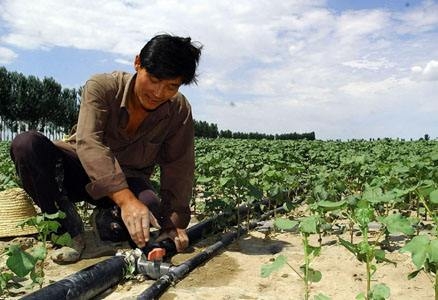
(151, 92)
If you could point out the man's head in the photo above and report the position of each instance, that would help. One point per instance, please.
(167, 57)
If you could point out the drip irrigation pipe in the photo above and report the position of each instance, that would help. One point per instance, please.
(95, 279)
(178, 272)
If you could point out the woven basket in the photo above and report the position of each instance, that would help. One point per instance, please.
(15, 207)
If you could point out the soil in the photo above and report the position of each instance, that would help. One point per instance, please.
(235, 272)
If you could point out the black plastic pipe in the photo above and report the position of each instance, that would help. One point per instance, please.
(177, 273)
(97, 278)
(86, 283)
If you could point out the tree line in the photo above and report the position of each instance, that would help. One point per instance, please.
(210, 130)
(29, 103)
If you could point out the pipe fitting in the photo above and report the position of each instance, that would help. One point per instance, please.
(152, 268)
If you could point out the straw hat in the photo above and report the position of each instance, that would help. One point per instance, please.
(15, 207)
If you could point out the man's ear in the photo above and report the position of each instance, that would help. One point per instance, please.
(137, 62)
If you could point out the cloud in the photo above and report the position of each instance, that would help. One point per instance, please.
(368, 64)
(285, 65)
(422, 18)
(370, 88)
(7, 55)
(429, 72)
(357, 24)
(123, 61)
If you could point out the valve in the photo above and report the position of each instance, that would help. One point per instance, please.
(152, 265)
(157, 254)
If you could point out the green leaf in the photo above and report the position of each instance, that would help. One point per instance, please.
(39, 252)
(380, 257)
(364, 247)
(373, 269)
(380, 292)
(396, 223)
(372, 194)
(57, 215)
(203, 179)
(320, 193)
(349, 246)
(30, 222)
(223, 181)
(414, 274)
(37, 277)
(5, 277)
(285, 224)
(313, 250)
(418, 247)
(308, 225)
(321, 297)
(434, 197)
(12, 249)
(361, 296)
(21, 263)
(426, 187)
(314, 275)
(277, 264)
(62, 240)
(433, 251)
(331, 205)
(364, 215)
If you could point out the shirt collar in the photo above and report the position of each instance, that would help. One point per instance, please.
(129, 86)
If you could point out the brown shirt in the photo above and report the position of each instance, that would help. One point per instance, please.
(109, 155)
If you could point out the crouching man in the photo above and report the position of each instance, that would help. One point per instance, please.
(127, 124)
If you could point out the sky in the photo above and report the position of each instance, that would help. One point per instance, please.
(344, 69)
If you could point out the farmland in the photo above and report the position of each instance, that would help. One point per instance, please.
(331, 189)
(350, 185)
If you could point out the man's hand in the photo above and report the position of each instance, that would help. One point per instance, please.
(135, 215)
(178, 236)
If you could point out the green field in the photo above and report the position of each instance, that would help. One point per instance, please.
(333, 184)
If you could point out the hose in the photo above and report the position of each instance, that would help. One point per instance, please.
(97, 278)
(176, 273)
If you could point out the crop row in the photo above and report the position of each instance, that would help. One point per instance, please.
(391, 182)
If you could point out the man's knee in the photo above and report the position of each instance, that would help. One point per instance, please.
(26, 143)
(151, 200)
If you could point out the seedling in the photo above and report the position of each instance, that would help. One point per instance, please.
(424, 252)
(22, 262)
(367, 252)
(424, 249)
(306, 226)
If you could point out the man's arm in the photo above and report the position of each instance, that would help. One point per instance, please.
(177, 164)
(99, 162)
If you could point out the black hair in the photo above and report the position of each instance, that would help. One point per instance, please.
(167, 57)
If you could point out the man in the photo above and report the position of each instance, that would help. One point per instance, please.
(127, 124)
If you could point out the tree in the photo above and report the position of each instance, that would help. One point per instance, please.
(5, 94)
(69, 109)
(18, 95)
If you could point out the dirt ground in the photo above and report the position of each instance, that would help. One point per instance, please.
(235, 272)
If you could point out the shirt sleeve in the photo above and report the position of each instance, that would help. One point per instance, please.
(97, 159)
(177, 166)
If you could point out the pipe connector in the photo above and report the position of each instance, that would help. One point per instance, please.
(154, 269)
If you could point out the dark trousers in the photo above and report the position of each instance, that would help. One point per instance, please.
(54, 178)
